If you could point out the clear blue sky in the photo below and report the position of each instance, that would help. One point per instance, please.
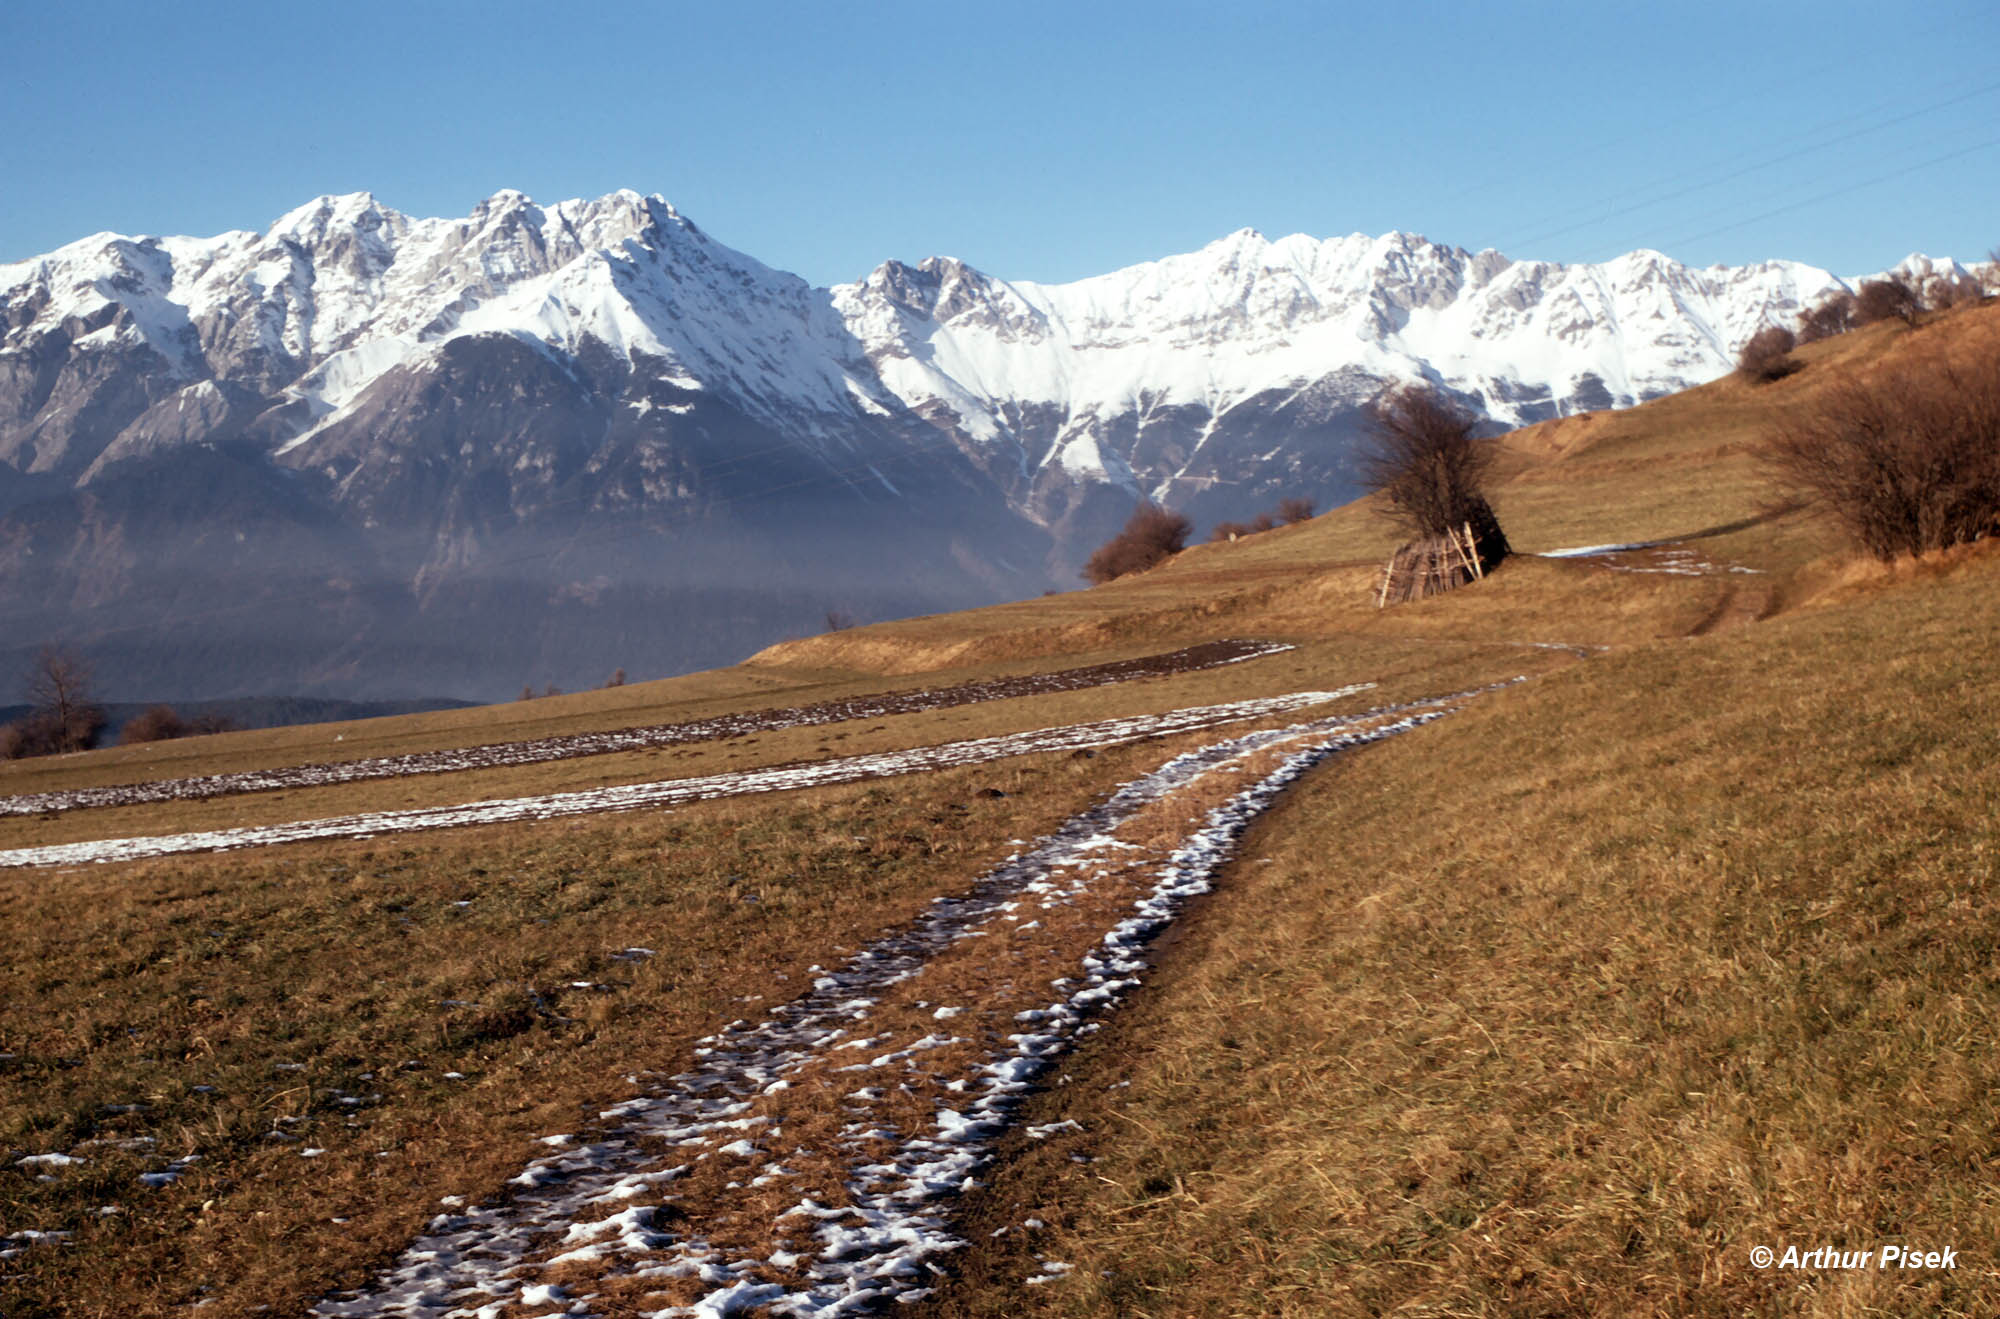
(1037, 141)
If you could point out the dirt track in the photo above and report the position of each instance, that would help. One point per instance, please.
(1208, 655)
(808, 1164)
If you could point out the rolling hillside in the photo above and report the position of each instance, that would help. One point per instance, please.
(1635, 912)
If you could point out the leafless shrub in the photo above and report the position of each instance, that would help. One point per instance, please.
(552, 690)
(617, 678)
(1767, 356)
(1906, 461)
(159, 723)
(527, 692)
(1944, 292)
(838, 620)
(42, 733)
(1151, 535)
(1888, 298)
(1834, 314)
(162, 723)
(1288, 512)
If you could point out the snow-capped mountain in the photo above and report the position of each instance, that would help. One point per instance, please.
(536, 417)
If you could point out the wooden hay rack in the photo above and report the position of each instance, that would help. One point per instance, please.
(1431, 566)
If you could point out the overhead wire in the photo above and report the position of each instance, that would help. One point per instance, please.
(1762, 163)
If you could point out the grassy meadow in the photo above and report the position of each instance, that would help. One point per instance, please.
(1557, 1006)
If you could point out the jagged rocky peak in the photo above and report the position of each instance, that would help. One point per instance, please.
(946, 289)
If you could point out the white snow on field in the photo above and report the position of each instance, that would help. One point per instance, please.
(672, 792)
(612, 1201)
(1675, 562)
(570, 746)
(1593, 551)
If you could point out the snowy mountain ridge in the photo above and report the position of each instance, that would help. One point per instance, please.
(486, 446)
(343, 289)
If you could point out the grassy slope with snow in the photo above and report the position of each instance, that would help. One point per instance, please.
(1559, 1005)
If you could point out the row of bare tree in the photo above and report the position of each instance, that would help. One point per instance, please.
(1767, 355)
(64, 714)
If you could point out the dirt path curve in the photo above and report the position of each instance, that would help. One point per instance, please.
(1208, 655)
(806, 1164)
(1737, 607)
(672, 792)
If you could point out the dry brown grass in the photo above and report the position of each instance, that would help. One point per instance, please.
(286, 980)
(1552, 1008)
(1561, 1006)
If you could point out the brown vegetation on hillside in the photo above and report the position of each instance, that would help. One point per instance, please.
(1152, 535)
(1833, 314)
(1288, 512)
(1906, 460)
(163, 723)
(1768, 355)
(1888, 298)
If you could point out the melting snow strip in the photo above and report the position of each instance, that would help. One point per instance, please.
(671, 792)
(1678, 562)
(1208, 655)
(1592, 551)
(579, 1205)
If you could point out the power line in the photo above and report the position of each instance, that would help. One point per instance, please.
(1840, 191)
(1757, 165)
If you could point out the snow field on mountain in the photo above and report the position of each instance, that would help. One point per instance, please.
(807, 1163)
(344, 289)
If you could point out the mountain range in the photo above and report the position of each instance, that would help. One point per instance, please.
(362, 454)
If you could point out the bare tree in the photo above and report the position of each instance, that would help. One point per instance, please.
(1944, 292)
(64, 716)
(1151, 535)
(1887, 298)
(1294, 510)
(1834, 314)
(617, 678)
(1419, 453)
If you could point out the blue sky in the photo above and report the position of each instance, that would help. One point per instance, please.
(1036, 141)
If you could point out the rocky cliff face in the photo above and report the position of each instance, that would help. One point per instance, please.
(368, 454)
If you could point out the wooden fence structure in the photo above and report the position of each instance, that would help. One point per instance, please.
(1435, 564)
